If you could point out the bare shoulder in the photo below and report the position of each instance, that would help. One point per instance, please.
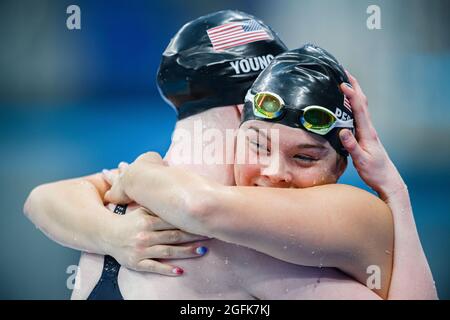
(354, 199)
(363, 217)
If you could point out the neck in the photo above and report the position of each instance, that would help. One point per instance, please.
(204, 143)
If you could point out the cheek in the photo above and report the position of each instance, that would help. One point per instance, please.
(314, 176)
(246, 173)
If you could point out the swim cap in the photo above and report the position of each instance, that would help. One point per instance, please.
(212, 61)
(308, 76)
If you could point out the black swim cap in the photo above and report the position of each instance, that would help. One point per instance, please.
(309, 76)
(212, 61)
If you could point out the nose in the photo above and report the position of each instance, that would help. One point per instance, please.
(278, 174)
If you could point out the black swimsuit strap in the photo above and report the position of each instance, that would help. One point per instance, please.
(107, 288)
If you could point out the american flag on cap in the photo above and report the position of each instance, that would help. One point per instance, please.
(235, 34)
(347, 103)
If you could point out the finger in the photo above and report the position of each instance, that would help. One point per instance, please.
(175, 252)
(155, 222)
(353, 81)
(175, 237)
(107, 175)
(348, 91)
(351, 145)
(159, 225)
(152, 157)
(363, 123)
(114, 195)
(123, 166)
(152, 266)
(109, 197)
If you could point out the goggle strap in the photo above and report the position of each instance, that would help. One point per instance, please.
(343, 124)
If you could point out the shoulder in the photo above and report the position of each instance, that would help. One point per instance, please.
(365, 207)
(357, 212)
(355, 199)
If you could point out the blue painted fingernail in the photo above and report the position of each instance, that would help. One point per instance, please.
(201, 251)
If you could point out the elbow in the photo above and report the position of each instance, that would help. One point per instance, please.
(34, 202)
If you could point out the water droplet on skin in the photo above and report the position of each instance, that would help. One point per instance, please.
(387, 252)
(321, 262)
(226, 260)
(286, 290)
(313, 252)
(285, 248)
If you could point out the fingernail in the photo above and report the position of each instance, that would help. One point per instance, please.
(345, 135)
(201, 250)
(178, 271)
(348, 85)
(106, 172)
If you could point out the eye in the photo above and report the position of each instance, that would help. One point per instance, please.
(305, 158)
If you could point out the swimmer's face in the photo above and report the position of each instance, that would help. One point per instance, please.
(275, 155)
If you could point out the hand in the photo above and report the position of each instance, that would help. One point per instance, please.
(138, 237)
(368, 154)
(116, 178)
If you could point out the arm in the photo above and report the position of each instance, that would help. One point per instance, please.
(351, 230)
(410, 261)
(377, 170)
(72, 213)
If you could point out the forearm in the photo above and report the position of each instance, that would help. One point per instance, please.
(175, 195)
(411, 274)
(71, 213)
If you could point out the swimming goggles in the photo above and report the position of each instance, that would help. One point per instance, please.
(316, 119)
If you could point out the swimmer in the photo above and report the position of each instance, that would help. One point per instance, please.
(246, 215)
(155, 268)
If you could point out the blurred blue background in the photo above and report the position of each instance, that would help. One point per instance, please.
(74, 102)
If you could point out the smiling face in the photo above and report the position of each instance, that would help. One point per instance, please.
(285, 157)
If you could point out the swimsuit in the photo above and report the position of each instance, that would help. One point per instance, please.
(107, 288)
